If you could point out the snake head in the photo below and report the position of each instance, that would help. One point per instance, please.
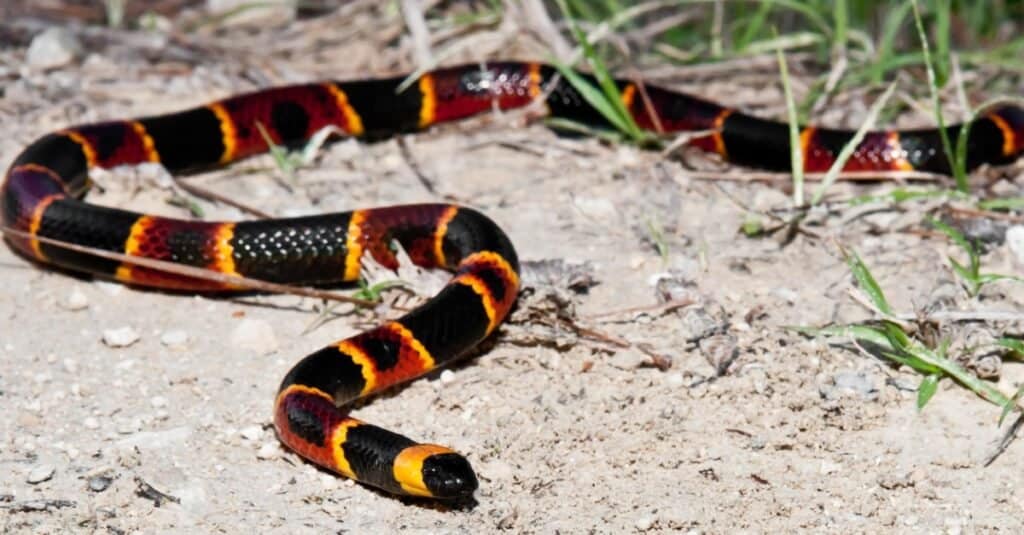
(448, 475)
(434, 471)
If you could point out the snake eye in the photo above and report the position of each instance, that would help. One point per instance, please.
(448, 475)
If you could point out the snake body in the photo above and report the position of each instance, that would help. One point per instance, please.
(43, 190)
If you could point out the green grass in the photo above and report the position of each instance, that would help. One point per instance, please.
(290, 161)
(887, 338)
(970, 273)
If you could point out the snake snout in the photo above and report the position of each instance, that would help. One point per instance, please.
(449, 475)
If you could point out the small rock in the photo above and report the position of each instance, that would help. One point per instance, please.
(629, 359)
(99, 483)
(253, 432)
(447, 377)
(846, 383)
(70, 366)
(76, 300)
(91, 423)
(54, 47)
(254, 335)
(268, 451)
(786, 294)
(158, 401)
(598, 208)
(1015, 242)
(174, 338)
(120, 337)
(674, 380)
(644, 523)
(40, 473)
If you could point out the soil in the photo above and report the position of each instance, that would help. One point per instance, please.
(567, 417)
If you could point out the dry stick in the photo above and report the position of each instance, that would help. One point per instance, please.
(667, 306)
(413, 164)
(1005, 440)
(242, 283)
(988, 214)
(417, 25)
(539, 21)
(648, 105)
(658, 361)
(211, 195)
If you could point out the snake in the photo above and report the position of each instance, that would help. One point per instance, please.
(44, 210)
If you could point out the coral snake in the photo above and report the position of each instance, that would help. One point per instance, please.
(43, 188)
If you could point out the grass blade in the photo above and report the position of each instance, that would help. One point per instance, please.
(850, 146)
(796, 154)
(867, 282)
(926, 389)
(933, 85)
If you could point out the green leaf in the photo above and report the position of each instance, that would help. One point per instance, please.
(592, 95)
(927, 389)
(1009, 203)
(1013, 344)
(867, 282)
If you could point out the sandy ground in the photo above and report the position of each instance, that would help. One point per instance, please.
(751, 429)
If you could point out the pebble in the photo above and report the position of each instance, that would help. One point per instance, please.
(99, 483)
(158, 401)
(858, 383)
(76, 300)
(786, 294)
(54, 47)
(268, 451)
(628, 359)
(40, 473)
(253, 432)
(174, 338)
(120, 337)
(674, 380)
(1015, 242)
(644, 523)
(70, 365)
(254, 335)
(447, 377)
(91, 423)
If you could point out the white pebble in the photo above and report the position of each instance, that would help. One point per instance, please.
(1015, 242)
(40, 473)
(158, 401)
(447, 377)
(254, 335)
(268, 451)
(645, 523)
(674, 380)
(253, 432)
(76, 300)
(91, 423)
(54, 47)
(120, 337)
(329, 481)
(628, 359)
(174, 338)
(70, 365)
